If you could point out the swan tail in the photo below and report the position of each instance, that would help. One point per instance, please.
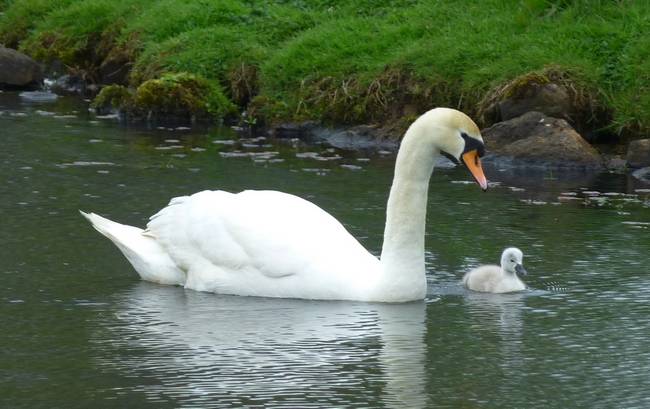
(144, 253)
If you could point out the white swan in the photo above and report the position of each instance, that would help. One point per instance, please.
(273, 244)
(499, 279)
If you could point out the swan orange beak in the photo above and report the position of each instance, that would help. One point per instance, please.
(473, 163)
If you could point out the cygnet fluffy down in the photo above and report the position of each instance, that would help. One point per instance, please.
(499, 279)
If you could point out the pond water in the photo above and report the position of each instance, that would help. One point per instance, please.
(79, 329)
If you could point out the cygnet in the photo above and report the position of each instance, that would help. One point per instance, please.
(499, 279)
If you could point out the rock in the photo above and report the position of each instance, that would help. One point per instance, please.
(18, 70)
(68, 85)
(550, 99)
(91, 89)
(73, 85)
(535, 139)
(55, 68)
(503, 133)
(544, 92)
(554, 92)
(638, 153)
(642, 174)
(362, 137)
(113, 99)
(616, 163)
(303, 130)
(357, 138)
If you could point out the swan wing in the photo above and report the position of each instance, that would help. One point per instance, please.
(260, 243)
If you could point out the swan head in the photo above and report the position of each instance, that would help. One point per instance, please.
(512, 261)
(458, 138)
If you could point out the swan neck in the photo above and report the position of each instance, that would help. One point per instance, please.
(402, 256)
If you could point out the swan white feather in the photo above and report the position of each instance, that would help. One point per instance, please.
(274, 244)
(498, 279)
(268, 243)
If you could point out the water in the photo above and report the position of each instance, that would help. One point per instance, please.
(80, 330)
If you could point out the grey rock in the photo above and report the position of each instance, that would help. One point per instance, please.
(302, 130)
(18, 70)
(638, 153)
(616, 163)
(68, 85)
(357, 138)
(362, 137)
(535, 139)
(550, 99)
(504, 133)
(517, 99)
(642, 174)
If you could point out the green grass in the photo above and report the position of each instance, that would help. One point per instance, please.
(361, 61)
(81, 34)
(165, 19)
(211, 52)
(457, 57)
(20, 18)
(4, 4)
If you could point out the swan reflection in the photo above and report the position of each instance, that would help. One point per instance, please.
(205, 349)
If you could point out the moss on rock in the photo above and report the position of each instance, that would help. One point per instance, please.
(113, 98)
(174, 97)
(182, 96)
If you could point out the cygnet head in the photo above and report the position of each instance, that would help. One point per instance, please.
(512, 261)
(456, 137)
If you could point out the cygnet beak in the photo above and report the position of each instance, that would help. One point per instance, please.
(472, 160)
(520, 270)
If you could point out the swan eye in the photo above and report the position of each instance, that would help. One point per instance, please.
(473, 144)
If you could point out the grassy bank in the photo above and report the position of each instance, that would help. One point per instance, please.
(352, 62)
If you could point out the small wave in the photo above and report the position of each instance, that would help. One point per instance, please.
(555, 287)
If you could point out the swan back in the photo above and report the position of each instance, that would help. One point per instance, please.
(263, 243)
